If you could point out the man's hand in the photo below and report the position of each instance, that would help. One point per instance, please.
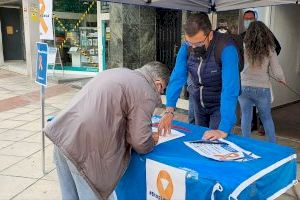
(155, 137)
(164, 126)
(214, 135)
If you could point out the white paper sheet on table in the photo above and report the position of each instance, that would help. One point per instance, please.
(222, 152)
(174, 135)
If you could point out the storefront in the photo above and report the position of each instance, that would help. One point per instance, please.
(78, 37)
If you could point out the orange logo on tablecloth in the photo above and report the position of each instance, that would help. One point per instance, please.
(42, 20)
(164, 192)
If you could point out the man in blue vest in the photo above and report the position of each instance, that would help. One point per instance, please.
(215, 79)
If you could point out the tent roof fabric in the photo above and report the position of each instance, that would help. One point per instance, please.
(205, 5)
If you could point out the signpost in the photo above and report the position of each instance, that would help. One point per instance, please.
(41, 79)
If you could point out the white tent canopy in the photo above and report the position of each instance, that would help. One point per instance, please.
(206, 5)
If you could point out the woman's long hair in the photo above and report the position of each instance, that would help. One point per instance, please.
(258, 42)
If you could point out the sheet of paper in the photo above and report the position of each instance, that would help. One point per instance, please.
(174, 135)
(227, 151)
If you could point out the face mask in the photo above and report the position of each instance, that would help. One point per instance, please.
(198, 51)
(247, 23)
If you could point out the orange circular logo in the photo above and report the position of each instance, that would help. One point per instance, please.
(167, 192)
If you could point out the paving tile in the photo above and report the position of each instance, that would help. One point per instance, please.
(49, 112)
(9, 124)
(36, 112)
(4, 144)
(3, 130)
(297, 189)
(26, 117)
(10, 186)
(6, 161)
(7, 115)
(292, 192)
(15, 135)
(6, 96)
(31, 126)
(33, 106)
(286, 197)
(37, 138)
(41, 190)
(21, 110)
(52, 176)
(31, 167)
(22, 149)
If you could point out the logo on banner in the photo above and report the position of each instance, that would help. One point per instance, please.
(42, 15)
(164, 185)
(164, 182)
(45, 16)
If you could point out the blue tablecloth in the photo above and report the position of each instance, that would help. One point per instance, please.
(267, 177)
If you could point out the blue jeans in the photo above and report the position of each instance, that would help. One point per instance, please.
(72, 184)
(206, 117)
(261, 98)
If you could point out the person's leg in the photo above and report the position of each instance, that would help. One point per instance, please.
(246, 105)
(66, 182)
(201, 117)
(83, 189)
(191, 111)
(263, 103)
(215, 118)
(254, 120)
(261, 129)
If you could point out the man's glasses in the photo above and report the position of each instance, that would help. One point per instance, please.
(197, 44)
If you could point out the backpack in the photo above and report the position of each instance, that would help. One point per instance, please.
(221, 41)
(237, 42)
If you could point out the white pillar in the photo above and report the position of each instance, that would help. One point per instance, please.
(264, 15)
(213, 17)
(1, 48)
(31, 33)
(101, 17)
(100, 45)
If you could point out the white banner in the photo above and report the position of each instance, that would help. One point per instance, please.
(45, 11)
(52, 51)
(164, 181)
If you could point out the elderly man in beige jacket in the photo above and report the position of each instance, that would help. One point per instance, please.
(94, 135)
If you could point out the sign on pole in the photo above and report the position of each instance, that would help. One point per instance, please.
(52, 51)
(46, 28)
(41, 79)
(42, 64)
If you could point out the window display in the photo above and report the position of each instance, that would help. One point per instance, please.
(89, 44)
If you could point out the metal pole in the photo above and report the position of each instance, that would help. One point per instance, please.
(42, 98)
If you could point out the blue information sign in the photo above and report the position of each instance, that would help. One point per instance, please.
(42, 63)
